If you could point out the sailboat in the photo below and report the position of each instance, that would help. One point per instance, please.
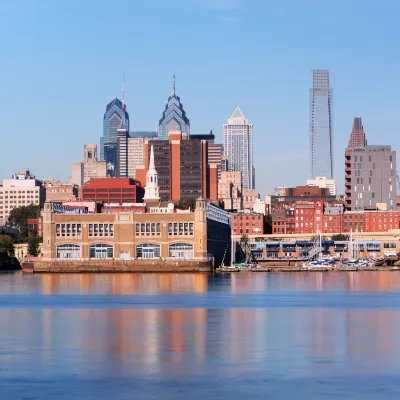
(322, 261)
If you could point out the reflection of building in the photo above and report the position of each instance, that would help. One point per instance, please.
(129, 235)
(238, 146)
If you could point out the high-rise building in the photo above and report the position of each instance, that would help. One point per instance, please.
(182, 168)
(122, 153)
(111, 122)
(22, 190)
(82, 172)
(321, 125)
(238, 146)
(174, 117)
(135, 154)
(230, 190)
(357, 136)
(370, 173)
(143, 134)
(110, 154)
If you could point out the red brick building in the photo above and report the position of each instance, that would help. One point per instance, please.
(247, 223)
(283, 221)
(113, 190)
(381, 221)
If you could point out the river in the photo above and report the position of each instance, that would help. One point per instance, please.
(317, 335)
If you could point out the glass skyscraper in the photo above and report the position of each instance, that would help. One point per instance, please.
(321, 125)
(111, 123)
(174, 117)
(238, 146)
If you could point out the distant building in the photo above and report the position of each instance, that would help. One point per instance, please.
(283, 221)
(111, 122)
(230, 190)
(321, 125)
(174, 117)
(61, 192)
(113, 190)
(370, 173)
(250, 196)
(23, 189)
(247, 223)
(238, 146)
(182, 167)
(143, 134)
(323, 182)
(152, 190)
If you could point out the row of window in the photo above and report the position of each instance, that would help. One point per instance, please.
(68, 230)
(180, 229)
(106, 251)
(101, 230)
(148, 228)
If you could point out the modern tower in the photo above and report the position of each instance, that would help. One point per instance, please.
(238, 146)
(152, 191)
(174, 116)
(321, 125)
(370, 173)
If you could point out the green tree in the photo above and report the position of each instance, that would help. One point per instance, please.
(340, 237)
(186, 204)
(33, 244)
(6, 245)
(19, 216)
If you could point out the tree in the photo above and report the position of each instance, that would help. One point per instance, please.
(19, 216)
(33, 244)
(268, 224)
(186, 204)
(6, 245)
(340, 237)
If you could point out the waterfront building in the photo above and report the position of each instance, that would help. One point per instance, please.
(244, 223)
(238, 146)
(113, 190)
(283, 221)
(90, 168)
(321, 120)
(323, 182)
(111, 122)
(182, 167)
(23, 189)
(174, 117)
(250, 196)
(370, 173)
(130, 235)
(230, 189)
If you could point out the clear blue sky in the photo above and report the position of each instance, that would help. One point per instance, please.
(62, 62)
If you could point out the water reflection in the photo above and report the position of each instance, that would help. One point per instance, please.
(216, 347)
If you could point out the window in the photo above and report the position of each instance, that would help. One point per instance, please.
(181, 250)
(101, 230)
(69, 252)
(180, 229)
(101, 251)
(148, 250)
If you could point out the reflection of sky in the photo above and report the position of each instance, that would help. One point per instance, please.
(276, 336)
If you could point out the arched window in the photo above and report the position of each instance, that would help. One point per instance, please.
(69, 252)
(148, 250)
(101, 250)
(181, 250)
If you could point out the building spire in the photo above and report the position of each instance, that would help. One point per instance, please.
(151, 165)
(123, 102)
(152, 190)
(173, 84)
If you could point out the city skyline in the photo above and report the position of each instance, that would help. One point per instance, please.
(72, 87)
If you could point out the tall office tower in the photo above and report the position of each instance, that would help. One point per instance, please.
(238, 146)
(370, 173)
(111, 123)
(357, 136)
(321, 125)
(135, 155)
(174, 117)
(110, 154)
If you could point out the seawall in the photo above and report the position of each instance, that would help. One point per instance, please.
(119, 266)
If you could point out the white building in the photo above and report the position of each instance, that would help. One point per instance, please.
(152, 190)
(135, 154)
(238, 146)
(22, 190)
(323, 182)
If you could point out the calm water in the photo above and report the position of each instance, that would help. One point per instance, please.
(181, 336)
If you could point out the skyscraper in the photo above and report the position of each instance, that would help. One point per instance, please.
(321, 125)
(370, 173)
(174, 117)
(111, 123)
(238, 146)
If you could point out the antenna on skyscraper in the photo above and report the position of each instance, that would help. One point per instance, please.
(123, 101)
(173, 84)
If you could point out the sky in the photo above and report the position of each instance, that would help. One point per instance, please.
(62, 62)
